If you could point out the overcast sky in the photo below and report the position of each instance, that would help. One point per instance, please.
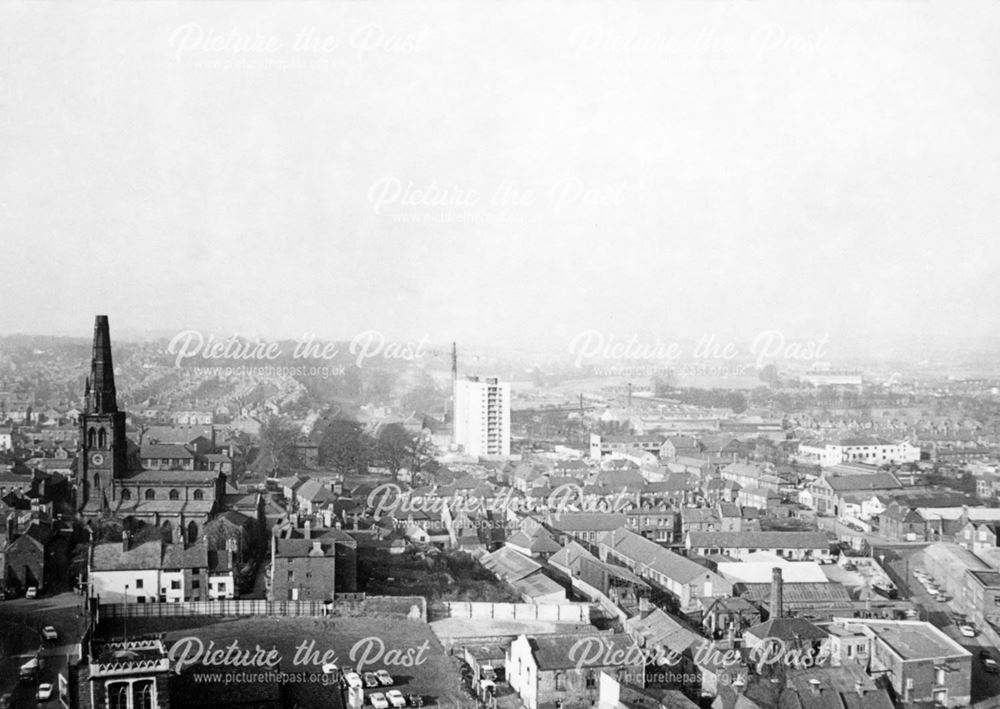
(501, 171)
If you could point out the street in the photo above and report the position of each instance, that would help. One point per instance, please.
(985, 686)
(21, 623)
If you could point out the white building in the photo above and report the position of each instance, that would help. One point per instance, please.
(152, 572)
(864, 449)
(482, 416)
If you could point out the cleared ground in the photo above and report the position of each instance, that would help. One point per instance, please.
(375, 641)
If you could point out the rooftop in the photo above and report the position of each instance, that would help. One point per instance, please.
(911, 640)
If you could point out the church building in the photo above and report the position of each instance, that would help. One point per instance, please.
(111, 480)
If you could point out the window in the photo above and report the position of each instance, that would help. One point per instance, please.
(151, 494)
(102, 438)
(195, 583)
(174, 495)
(591, 679)
(560, 681)
(138, 583)
(118, 695)
(126, 494)
(175, 585)
(199, 495)
(222, 586)
(142, 695)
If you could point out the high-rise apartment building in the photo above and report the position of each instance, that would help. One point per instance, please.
(482, 416)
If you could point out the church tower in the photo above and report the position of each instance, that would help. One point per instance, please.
(102, 426)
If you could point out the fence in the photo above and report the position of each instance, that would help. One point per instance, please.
(349, 604)
(567, 612)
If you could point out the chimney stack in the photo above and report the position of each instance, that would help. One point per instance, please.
(777, 593)
(306, 530)
(125, 544)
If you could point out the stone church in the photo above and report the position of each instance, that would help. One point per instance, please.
(111, 481)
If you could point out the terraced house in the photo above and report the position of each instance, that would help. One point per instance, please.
(685, 581)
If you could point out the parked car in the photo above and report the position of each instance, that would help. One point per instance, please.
(29, 671)
(353, 679)
(991, 666)
(330, 668)
(384, 678)
(378, 700)
(371, 680)
(32, 592)
(416, 700)
(44, 692)
(396, 698)
(49, 633)
(967, 630)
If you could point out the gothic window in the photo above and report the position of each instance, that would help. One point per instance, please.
(118, 695)
(142, 697)
(102, 438)
(151, 494)
(199, 495)
(97, 480)
(174, 495)
(126, 494)
(91, 437)
(192, 533)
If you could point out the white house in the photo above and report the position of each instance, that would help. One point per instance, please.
(149, 573)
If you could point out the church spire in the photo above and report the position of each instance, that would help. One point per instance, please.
(101, 397)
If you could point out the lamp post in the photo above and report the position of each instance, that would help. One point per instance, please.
(125, 615)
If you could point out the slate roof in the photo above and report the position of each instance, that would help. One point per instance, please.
(863, 481)
(788, 629)
(758, 540)
(150, 555)
(555, 652)
(644, 552)
(509, 564)
(164, 450)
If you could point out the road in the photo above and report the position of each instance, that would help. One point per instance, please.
(985, 686)
(21, 622)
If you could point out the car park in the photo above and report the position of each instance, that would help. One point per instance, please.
(384, 678)
(378, 700)
(396, 698)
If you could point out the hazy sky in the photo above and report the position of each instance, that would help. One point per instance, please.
(501, 170)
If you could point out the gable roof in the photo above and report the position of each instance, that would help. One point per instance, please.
(556, 652)
(647, 553)
(758, 540)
